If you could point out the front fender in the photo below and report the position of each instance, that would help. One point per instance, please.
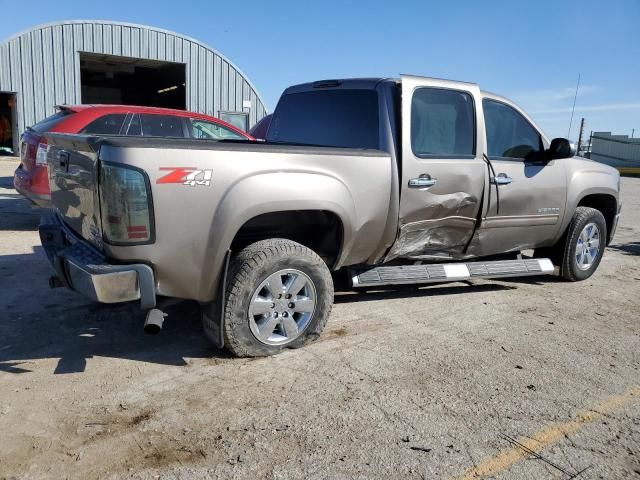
(585, 178)
(269, 192)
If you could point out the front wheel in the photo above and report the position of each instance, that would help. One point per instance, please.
(279, 295)
(585, 244)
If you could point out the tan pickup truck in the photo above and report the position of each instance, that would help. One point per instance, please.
(373, 181)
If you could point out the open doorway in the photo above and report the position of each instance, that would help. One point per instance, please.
(8, 124)
(109, 79)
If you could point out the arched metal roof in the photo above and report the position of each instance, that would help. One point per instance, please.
(42, 66)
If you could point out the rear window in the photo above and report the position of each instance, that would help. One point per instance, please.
(106, 125)
(48, 123)
(337, 118)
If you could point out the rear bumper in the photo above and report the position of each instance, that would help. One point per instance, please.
(22, 183)
(83, 269)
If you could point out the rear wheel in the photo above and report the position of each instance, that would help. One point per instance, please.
(279, 295)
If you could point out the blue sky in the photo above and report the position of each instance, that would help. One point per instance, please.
(530, 51)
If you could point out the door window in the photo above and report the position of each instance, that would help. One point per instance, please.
(212, 131)
(442, 123)
(509, 134)
(161, 126)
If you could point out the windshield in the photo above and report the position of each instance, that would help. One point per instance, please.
(335, 118)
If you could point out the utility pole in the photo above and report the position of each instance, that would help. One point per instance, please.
(580, 136)
(633, 130)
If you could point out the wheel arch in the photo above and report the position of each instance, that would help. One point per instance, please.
(606, 204)
(320, 230)
(254, 208)
(591, 185)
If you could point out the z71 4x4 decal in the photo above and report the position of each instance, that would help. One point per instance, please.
(191, 177)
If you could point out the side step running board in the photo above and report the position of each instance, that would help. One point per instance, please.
(447, 272)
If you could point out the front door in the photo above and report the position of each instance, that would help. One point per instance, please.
(443, 174)
(528, 193)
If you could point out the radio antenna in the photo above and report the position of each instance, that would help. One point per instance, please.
(573, 109)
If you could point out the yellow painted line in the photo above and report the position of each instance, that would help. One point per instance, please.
(509, 456)
(629, 170)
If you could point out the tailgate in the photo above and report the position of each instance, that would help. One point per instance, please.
(73, 179)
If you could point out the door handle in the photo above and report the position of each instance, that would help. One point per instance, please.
(423, 181)
(501, 179)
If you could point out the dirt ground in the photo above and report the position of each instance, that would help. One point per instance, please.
(437, 382)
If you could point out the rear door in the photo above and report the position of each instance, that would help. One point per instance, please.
(443, 174)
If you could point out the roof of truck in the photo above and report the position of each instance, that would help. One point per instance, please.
(352, 83)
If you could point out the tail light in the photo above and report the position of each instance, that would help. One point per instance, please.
(41, 154)
(125, 205)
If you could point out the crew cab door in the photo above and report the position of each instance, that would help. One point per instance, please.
(528, 192)
(443, 174)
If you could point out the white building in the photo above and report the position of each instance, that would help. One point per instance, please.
(619, 151)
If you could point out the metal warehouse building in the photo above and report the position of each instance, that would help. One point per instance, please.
(82, 61)
(619, 151)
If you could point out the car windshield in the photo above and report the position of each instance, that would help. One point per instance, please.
(336, 118)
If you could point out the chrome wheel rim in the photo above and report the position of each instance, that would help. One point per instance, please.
(587, 246)
(282, 306)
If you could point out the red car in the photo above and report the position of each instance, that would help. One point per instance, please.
(31, 176)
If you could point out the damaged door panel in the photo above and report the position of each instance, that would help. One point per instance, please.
(443, 175)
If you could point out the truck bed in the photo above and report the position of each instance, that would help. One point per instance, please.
(195, 224)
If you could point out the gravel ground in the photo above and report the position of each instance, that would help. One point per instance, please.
(434, 382)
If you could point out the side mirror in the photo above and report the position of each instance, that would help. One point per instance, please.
(560, 148)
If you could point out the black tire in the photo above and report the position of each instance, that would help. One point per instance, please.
(252, 266)
(583, 216)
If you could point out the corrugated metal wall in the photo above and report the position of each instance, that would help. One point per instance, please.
(619, 151)
(42, 66)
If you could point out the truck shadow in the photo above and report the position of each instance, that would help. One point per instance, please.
(631, 248)
(415, 291)
(37, 323)
(76, 333)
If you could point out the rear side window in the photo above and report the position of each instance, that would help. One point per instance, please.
(106, 125)
(212, 131)
(442, 123)
(336, 118)
(509, 134)
(161, 126)
(134, 128)
(48, 123)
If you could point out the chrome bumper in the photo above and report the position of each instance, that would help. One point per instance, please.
(82, 268)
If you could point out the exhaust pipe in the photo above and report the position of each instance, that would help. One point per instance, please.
(153, 322)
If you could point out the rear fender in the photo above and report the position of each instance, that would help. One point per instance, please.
(267, 193)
